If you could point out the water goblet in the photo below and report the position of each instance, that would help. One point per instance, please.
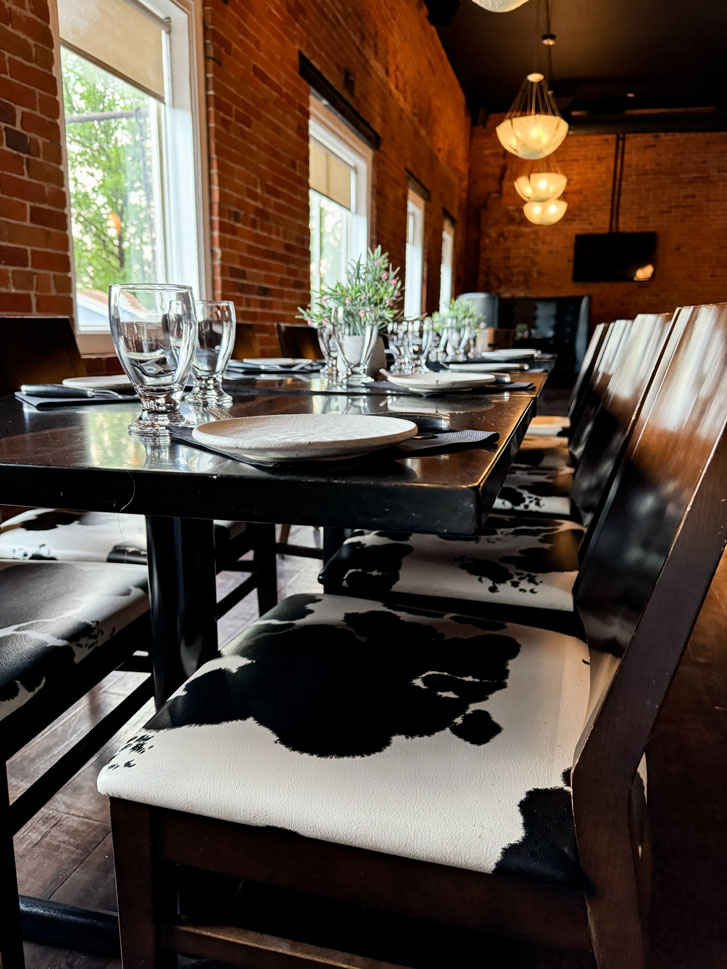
(396, 331)
(215, 340)
(419, 335)
(154, 329)
(327, 343)
(355, 333)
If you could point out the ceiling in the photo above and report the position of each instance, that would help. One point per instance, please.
(668, 54)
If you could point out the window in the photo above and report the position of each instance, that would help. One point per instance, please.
(414, 273)
(446, 272)
(340, 164)
(133, 147)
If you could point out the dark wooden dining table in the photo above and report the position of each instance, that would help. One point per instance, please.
(83, 458)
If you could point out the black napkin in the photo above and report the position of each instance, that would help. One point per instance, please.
(428, 442)
(51, 403)
(253, 369)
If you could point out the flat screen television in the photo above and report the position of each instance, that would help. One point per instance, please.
(614, 257)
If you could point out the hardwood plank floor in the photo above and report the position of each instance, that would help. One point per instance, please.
(65, 852)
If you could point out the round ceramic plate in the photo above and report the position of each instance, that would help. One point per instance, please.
(484, 367)
(440, 383)
(276, 362)
(301, 437)
(517, 354)
(118, 382)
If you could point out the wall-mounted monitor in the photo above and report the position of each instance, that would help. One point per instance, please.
(614, 257)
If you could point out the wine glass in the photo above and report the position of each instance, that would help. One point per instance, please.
(396, 331)
(419, 335)
(327, 344)
(215, 340)
(154, 329)
(355, 333)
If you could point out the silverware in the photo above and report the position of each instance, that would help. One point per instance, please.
(61, 391)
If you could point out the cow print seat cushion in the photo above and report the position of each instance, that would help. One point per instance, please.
(543, 452)
(82, 536)
(512, 563)
(545, 491)
(548, 425)
(53, 615)
(423, 735)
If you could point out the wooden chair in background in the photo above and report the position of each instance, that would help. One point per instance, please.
(246, 342)
(298, 340)
(38, 350)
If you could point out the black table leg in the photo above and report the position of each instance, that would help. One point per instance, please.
(181, 556)
(11, 944)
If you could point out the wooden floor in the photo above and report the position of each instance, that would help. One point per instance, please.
(65, 852)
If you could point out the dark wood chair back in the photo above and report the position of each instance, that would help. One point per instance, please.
(38, 350)
(603, 370)
(502, 339)
(299, 340)
(246, 342)
(642, 583)
(585, 374)
(615, 417)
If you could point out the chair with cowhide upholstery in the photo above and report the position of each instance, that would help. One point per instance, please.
(63, 628)
(542, 470)
(522, 566)
(469, 773)
(549, 425)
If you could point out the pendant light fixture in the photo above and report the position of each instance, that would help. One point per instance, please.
(500, 6)
(533, 127)
(541, 183)
(545, 213)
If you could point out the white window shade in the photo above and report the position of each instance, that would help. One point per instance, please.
(330, 175)
(121, 36)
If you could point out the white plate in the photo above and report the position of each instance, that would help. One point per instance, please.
(300, 437)
(440, 383)
(118, 382)
(276, 362)
(485, 367)
(517, 354)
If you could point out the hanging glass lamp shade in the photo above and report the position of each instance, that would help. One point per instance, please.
(533, 127)
(540, 186)
(545, 213)
(500, 6)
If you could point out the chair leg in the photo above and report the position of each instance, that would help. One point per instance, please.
(266, 567)
(139, 887)
(284, 535)
(11, 940)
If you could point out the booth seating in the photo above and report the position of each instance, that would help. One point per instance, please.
(522, 562)
(470, 772)
(63, 627)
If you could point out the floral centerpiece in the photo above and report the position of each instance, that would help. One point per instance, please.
(370, 293)
(459, 312)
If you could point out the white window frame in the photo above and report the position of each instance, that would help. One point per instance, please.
(331, 131)
(446, 269)
(414, 266)
(185, 214)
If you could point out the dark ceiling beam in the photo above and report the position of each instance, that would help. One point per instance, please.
(647, 123)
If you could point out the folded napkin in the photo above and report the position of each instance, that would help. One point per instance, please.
(52, 403)
(238, 367)
(428, 442)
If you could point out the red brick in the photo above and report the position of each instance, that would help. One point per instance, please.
(23, 279)
(49, 217)
(44, 172)
(17, 140)
(56, 261)
(21, 188)
(16, 302)
(10, 161)
(7, 112)
(63, 305)
(49, 106)
(4, 279)
(14, 210)
(13, 42)
(13, 256)
(32, 28)
(37, 125)
(19, 94)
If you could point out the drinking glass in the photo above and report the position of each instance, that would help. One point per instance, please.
(419, 335)
(355, 336)
(396, 331)
(327, 344)
(215, 340)
(154, 330)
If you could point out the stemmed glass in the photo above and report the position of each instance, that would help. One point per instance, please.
(154, 329)
(355, 336)
(396, 331)
(419, 335)
(215, 340)
(327, 343)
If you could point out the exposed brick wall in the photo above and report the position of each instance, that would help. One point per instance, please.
(674, 184)
(35, 267)
(258, 127)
